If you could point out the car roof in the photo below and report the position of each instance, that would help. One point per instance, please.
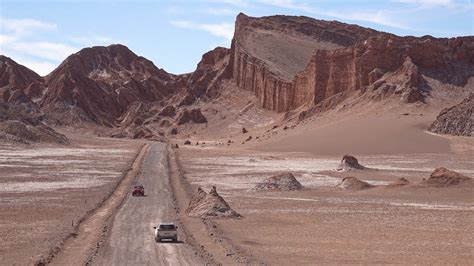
(166, 223)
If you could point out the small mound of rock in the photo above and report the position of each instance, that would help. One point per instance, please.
(352, 183)
(210, 205)
(442, 177)
(283, 182)
(349, 163)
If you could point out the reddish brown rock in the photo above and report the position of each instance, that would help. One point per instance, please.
(346, 58)
(104, 81)
(264, 58)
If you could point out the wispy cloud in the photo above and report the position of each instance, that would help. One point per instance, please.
(21, 40)
(224, 30)
(24, 26)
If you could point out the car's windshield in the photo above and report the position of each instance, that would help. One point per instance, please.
(167, 227)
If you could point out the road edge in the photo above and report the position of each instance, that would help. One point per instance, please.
(99, 217)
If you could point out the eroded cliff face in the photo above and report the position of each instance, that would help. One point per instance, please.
(389, 63)
(292, 61)
(268, 52)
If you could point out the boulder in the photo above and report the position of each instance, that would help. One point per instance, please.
(349, 163)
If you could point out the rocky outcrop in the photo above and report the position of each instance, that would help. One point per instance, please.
(442, 177)
(349, 163)
(281, 182)
(206, 80)
(457, 120)
(210, 205)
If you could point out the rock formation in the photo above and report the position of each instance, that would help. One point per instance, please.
(103, 81)
(457, 120)
(286, 61)
(334, 58)
(282, 182)
(17, 82)
(210, 205)
(352, 183)
(442, 177)
(349, 163)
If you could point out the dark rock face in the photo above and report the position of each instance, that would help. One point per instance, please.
(457, 120)
(442, 177)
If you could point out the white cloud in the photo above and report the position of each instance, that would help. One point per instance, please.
(25, 26)
(20, 39)
(46, 50)
(42, 68)
(224, 30)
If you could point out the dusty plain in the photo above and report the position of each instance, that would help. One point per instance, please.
(46, 190)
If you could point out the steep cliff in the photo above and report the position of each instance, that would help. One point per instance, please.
(267, 53)
(388, 63)
(291, 61)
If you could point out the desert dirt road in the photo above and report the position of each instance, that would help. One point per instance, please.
(131, 239)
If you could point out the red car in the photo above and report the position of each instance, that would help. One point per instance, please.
(138, 190)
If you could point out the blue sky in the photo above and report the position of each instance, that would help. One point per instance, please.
(174, 34)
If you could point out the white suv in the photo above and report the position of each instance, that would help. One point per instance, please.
(166, 231)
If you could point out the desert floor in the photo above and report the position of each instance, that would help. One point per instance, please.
(46, 190)
(326, 224)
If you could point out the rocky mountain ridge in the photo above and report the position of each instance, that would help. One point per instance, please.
(287, 62)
